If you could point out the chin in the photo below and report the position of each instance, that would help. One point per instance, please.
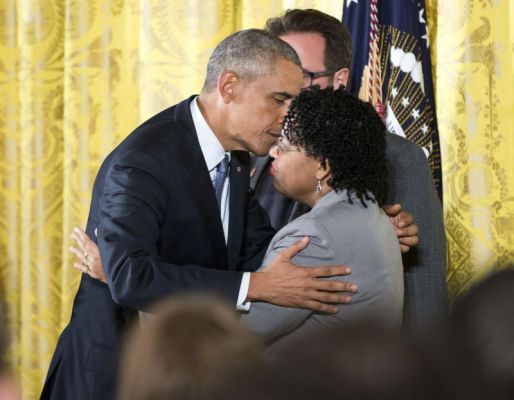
(279, 189)
(287, 194)
(261, 149)
(260, 152)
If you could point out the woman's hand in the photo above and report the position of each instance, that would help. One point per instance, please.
(88, 254)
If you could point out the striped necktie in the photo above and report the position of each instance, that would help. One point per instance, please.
(219, 179)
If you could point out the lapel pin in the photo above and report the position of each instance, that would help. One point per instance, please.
(238, 169)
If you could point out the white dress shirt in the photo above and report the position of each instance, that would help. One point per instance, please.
(213, 153)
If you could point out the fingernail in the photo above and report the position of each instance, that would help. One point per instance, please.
(348, 270)
(347, 299)
(353, 288)
(399, 231)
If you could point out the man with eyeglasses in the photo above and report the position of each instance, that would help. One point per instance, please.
(324, 46)
(310, 77)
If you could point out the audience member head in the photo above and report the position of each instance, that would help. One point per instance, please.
(8, 387)
(362, 362)
(323, 43)
(483, 328)
(190, 349)
(3, 338)
(333, 138)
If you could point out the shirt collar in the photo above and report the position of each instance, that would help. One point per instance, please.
(212, 150)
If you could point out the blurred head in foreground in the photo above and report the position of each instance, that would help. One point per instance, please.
(482, 324)
(190, 349)
(8, 387)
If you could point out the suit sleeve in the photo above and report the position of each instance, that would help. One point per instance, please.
(272, 321)
(410, 183)
(132, 212)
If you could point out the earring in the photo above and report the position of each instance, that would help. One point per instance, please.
(318, 187)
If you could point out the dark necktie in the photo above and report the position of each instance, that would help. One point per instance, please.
(219, 179)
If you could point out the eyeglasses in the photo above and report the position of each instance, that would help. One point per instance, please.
(284, 148)
(309, 77)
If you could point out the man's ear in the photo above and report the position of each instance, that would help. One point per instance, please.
(341, 78)
(226, 85)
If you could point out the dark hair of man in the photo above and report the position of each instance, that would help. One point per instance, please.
(338, 42)
(250, 53)
(338, 128)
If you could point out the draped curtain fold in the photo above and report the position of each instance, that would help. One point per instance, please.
(473, 68)
(77, 76)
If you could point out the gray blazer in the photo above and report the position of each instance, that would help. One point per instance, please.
(341, 233)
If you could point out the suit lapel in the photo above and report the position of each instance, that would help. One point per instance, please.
(196, 178)
(259, 167)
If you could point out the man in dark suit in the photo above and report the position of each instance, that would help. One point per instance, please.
(162, 229)
(324, 46)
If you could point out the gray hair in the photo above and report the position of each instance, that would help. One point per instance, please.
(250, 53)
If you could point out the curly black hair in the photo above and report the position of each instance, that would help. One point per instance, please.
(338, 128)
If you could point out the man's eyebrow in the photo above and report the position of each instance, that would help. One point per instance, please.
(283, 94)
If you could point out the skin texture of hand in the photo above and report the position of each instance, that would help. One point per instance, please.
(284, 283)
(88, 254)
(404, 226)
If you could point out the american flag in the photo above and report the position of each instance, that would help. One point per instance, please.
(391, 68)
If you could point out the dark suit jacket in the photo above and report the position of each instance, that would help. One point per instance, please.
(409, 182)
(159, 233)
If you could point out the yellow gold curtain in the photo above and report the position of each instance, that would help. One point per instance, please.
(77, 76)
(473, 63)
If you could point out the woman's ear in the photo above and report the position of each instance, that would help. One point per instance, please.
(323, 170)
(226, 85)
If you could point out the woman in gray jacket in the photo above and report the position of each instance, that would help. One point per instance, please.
(331, 157)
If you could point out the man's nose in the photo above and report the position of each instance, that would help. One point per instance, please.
(273, 151)
(283, 112)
